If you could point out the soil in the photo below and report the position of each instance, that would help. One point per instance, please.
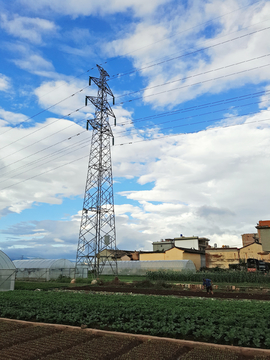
(60, 342)
(175, 292)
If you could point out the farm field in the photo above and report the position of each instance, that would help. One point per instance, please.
(26, 341)
(251, 294)
(206, 320)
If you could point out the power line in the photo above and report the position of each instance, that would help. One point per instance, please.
(37, 152)
(201, 82)
(197, 115)
(182, 110)
(190, 53)
(119, 75)
(198, 83)
(133, 142)
(135, 130)
(83, 143)
(194, 132)
(33, 132)
(180, 32)
(44, 172)
(197, 107)
(192, 76)
(31, 117)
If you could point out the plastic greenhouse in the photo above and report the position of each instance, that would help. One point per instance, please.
(141, 267)
(7, 273)
(46, 269)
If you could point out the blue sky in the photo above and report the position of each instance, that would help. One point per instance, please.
(191, 82)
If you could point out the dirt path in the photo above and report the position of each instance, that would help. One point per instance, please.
(151, 291)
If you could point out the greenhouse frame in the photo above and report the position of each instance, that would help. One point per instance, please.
(7, 273)
(48, 269)
(141, 267)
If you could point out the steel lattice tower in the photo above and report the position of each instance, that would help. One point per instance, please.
(97, 230)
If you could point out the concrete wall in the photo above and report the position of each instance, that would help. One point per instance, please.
(221, 257)
(188, 244)
(265, 238)
(151, 256)
(254, 251)
(249, 238)
(162, 245)
(196, 258)
(174, 254)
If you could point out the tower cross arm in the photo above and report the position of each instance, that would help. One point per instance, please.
(101, 84)
(100, 104)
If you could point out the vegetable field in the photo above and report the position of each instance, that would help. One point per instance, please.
(243, 323)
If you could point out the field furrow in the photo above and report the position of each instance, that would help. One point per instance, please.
(25, 334)
(11, 326)
(100, 348)
(43, 346)
(155, 349)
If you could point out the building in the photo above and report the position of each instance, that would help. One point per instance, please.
(175, 253)
(192, 242)
(253, 251)
(187, 242)
(119, 255)
(249, 238)
(163, 245)
(263, 228)
(221, 257)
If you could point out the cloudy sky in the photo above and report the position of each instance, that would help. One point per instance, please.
(192, 100)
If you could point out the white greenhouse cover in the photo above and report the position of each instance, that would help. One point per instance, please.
(5, 262)
(44, 264)
(7, 273)
(138, 267)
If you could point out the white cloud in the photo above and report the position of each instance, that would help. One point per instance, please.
(52, 92)
(31, 29)
(180, 34)
(58, 240)
(213, 183)
(36, 64)
(4, 83)
(76, 8)
(8, 117)
(35, 154)
(265, 99)
(31, 60)
(205, 184)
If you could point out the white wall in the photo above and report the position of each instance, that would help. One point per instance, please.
(188, 244)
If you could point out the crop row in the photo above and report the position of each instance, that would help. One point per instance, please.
(216, 277)
(243, 323)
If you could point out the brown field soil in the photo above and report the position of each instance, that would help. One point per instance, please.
(176, 292)
(24, 340)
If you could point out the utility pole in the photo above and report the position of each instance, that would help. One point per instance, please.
(97, 231)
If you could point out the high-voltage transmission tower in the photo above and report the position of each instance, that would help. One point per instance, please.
(97, 230)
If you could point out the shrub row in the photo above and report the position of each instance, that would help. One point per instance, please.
(217, 277)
